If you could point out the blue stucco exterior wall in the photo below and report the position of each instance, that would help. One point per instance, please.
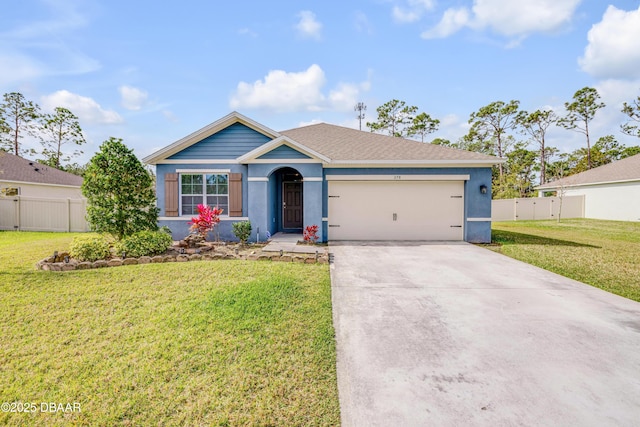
(261, 193)
(229, 143)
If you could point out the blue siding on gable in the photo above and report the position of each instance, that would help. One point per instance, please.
(284, 152)
(229, 143)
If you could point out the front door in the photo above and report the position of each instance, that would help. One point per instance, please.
(292, 205)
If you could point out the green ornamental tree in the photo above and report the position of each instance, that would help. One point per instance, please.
(120, 192)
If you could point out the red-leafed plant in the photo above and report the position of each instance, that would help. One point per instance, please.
(310, 234)
(206, 221)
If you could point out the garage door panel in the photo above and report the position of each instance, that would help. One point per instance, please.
(390, 210)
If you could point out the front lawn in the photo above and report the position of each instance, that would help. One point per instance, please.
(605, 254)
(200, 343)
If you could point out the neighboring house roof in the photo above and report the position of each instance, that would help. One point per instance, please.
(346, 145)
(624, 170)
(17, 169)
(334, 145)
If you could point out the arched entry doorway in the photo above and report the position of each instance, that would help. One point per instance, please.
(289, 197)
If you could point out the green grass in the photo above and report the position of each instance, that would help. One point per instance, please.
(200, 343)
(604, 254)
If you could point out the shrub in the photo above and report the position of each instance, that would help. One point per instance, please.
(242, 230)
(144, 243)
(89, 248)
(206, 221)
(310, 234)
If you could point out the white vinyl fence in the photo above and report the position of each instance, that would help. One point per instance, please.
(537, 208)
(39, 214)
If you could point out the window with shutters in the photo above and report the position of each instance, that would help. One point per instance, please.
(206, 189)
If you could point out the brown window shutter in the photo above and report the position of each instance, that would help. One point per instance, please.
(235, 194)
(171, 194)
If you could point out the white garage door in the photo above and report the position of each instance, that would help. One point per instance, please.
(391, 210)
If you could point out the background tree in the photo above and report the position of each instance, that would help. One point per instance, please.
(422, 125)
(76, 169)
(19, 116)
(59, 129)
(519, 173)
(580, 113)
(492, 123)
(633, 111)
(119, 191)
(606, 150)
(536, 125)
(476, 141)
(394, 118)
(442, 141)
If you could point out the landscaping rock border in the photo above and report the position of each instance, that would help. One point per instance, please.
(62, 262)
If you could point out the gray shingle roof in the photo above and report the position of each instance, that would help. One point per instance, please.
(345, 144)
(622, 170)
(15, 168)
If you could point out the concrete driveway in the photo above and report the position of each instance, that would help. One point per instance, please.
(456, 335)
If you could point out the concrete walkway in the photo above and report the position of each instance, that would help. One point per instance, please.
(456, 335)
(288, 242)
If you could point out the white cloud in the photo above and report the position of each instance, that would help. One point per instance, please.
(84, 107)
(452, 21)
(308, 26)
(296, 91)
(614, 93)
(613, 50)
(346, 95)
(413, 11)
(282, 91)
(132, 98)
(507, 17)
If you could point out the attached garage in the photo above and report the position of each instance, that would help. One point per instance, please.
(424, 208)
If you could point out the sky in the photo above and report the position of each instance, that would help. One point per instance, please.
(153, 72)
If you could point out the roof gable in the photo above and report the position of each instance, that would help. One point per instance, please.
(291, 147)
(284, 152)
(17, 169)
(231, 142)
(205, 132)
(627, 169)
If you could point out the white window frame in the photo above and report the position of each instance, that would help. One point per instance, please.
(203, 174)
